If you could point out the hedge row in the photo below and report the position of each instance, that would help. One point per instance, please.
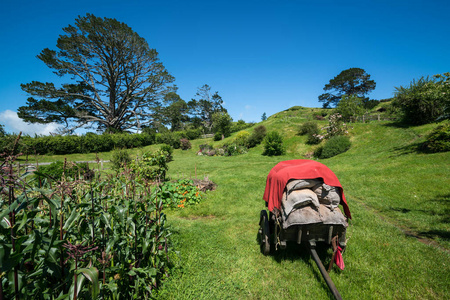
(91, 142)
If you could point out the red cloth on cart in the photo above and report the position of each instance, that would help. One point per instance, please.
(298, 169)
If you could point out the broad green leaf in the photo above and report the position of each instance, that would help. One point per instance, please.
(71, 219)
(92, 275)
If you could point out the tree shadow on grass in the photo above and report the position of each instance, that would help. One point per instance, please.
(443, 212)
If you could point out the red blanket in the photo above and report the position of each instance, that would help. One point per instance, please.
(298, 169)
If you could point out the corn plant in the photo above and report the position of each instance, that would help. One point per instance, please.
(74, 238)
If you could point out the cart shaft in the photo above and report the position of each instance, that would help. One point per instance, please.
(325, 275)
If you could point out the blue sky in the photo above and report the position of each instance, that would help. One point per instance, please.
(261, 56)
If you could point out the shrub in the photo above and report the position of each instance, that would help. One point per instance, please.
(185, 144)
(205, 147)
(57, 169)
(168, 150)
(319, 115)
(257, 136)
(234, 149)
(152, 166)
(334, 146)
(179, 194)
(424, 100)
(308, 127)
(240, 125)
(193, 134)
(314, 138)
(273, 144)
(241, 138)
(311, 129)
(336, 126)
(217, 136)
(350, 107)
(120, 158)
(439, 139)
(170, 138)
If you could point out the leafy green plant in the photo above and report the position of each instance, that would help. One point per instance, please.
(350, 107)
(273, 144)
(217, 136)
(336, 126)
(170, 138)
(257, 136)
(168, 150)
(311, 129)
(185, 144)
(152, 166)
(334, 146)
(439, 139)
(424, 100)
(241, 138)
(58, 169)
(179, 194)
(233, 149)
(77, 239)
(120, 158)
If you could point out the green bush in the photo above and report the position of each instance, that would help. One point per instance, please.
(424, 100)
(257, 136)
(217, 136)
(120, 158)
(168, 150)
(57, 169)
(439, 139)
(311, 129)
(308, 127)
(179, 194)
(334, 146)
(185, 144)
(152, 166)
(170, 138)
(193, 134)
(273, 144)
(88, 143)
(233, 149)
(241, 138)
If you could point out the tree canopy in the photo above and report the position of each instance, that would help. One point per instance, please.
(206, 105)
(115, 78)
(175, 113)
(353, 81)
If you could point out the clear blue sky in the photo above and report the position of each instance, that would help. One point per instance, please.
(261, 56)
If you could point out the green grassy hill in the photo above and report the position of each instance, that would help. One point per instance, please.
(399, 238)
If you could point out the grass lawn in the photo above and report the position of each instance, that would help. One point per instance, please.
(399, 238)
(394, 193)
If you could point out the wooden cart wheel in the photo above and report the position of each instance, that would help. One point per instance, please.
(264, 233)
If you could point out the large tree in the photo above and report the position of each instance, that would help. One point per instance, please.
(206, 105)
(353, 81)
(115, 78)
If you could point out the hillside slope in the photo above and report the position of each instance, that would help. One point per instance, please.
(399, 240)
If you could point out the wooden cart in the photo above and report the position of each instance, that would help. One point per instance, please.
(304, 211)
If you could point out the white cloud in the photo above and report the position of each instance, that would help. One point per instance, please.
(248, 107)
(13, 124)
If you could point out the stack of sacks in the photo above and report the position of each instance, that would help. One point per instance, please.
(309, 201)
